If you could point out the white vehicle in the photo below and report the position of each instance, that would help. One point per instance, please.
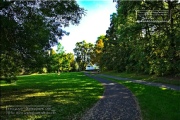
(90, 67)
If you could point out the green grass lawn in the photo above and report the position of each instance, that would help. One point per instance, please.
(67, 96)
(150, 78)
(155, 103)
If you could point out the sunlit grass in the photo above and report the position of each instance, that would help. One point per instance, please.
(155, 103)
(69, 94)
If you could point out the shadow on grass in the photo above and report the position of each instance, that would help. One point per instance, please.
(69, 95)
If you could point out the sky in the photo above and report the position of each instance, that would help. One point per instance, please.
(94, 24)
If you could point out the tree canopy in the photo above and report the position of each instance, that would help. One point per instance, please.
(83, 51)
(143, 46)
(29, 29)
(98, 49)
(59, 61)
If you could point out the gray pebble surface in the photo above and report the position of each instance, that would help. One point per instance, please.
(117, 103)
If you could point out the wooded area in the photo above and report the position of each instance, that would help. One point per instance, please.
(147, 47)
(29, 29)
(143, 47)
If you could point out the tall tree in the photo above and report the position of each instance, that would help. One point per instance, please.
(83, 51)
(143, 47)
(29, 29)
(97, 52)
(60, 61)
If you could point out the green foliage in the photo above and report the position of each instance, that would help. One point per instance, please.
(60, 48)
(83, 52)
(29, 29)
(60, 61)
(97, 51)
(145, 47)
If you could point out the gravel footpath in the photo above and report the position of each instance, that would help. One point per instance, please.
(117, 103)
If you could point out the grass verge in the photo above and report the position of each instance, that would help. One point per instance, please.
(155, 103)
(49, 96)
(150, 78)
